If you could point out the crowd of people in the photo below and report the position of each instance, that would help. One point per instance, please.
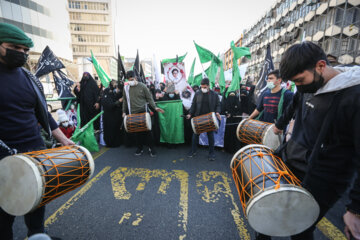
(323, 152)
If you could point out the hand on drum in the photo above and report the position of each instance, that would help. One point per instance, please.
(67, 142)
(277, 131)
(352, 225)
(218, 116)
(159, 110)
(188, 116)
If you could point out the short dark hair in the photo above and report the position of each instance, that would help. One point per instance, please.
(205, 81)
(275, 72)
(174, 70)
(130, 74)
(300, 57)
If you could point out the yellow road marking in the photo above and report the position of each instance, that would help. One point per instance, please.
(119, 176)
(221, 187)
(126, 215)
(329, 230)
(76, 197)
(101, 152)
(138, 220)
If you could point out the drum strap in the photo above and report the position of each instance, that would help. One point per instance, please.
(127, 89)
(329, 118)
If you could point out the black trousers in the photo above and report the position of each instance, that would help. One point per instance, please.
(33, 220)
(144, 138)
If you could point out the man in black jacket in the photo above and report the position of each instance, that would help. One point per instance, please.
(204, 101)
(22, 107)
(338, 156)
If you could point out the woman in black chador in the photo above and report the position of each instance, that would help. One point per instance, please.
(112, 104)
(87, 96)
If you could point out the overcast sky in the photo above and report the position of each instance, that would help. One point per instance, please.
(166, 28)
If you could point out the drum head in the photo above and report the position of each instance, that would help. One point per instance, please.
(193, 126)
(238, 128)
(270, 139)
(125, 124)
(216, 123)
(148, 121)
(282, 212)
(90, 159)
(243, 149)
(21, 185)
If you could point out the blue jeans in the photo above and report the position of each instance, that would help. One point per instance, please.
(195, 141)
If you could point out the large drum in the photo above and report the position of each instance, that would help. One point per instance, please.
(31, 180)
(204, 123)
(270, 194)
(252, 131)
(138, 122)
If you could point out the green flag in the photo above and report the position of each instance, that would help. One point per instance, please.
(85, 135)
(199, 77)
(212, 73)
(191, 75)
(236, 78)
(171, 123)
(222, 83)
(205, 55)
(173, 60)
(104, 78)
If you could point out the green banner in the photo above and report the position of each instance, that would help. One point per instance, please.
(104, 78)
(171, 122)
(173, 60)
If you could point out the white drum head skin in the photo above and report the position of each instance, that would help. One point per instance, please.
(216, 123)
(21, 185)
(243, 149)
(148, 121)
(270, 139)
(124, 122)
(238, 128)
(283, 212)
(193, 126)
(90, 159)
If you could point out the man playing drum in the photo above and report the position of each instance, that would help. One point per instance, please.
(333, 153)
(22, 107)
(273, 100)
(136, 100)
(204, 101)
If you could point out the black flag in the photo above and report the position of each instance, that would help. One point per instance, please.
(48, 63)
(162, 67)
(137, 67)
(121, 68)
(267, 67)
(142, 75)
(63, 84)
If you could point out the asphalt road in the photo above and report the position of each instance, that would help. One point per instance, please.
(166, 197)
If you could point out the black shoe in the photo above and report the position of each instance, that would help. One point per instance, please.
(191, 154)
(211, 158)
(139, 152)
(152, 152)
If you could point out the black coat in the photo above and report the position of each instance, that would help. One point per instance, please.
(214, 103)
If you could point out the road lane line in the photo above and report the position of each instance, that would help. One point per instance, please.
(329, 230)
(73, 199)
(212, 196)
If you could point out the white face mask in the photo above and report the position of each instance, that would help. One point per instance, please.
(72, 107)
(270, 85)
(204, 90)
(133, 83)
(171, 95)
(65, 124)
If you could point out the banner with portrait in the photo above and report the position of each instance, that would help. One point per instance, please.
(175, 75)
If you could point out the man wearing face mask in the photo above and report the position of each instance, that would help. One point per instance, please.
(273, 100)
(22, 107)
(204, 101)
(338, 153)
(136, 98)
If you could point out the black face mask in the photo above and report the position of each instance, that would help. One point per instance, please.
(162, 88)
(312, 87)
(14, 58)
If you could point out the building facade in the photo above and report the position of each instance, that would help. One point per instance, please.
(333, 24)
(92, 30)
(46, 24)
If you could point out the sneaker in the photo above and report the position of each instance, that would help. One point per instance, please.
(139, 152)
(191, 154)
(152, 152)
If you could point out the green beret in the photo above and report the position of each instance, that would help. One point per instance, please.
(12, 34)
